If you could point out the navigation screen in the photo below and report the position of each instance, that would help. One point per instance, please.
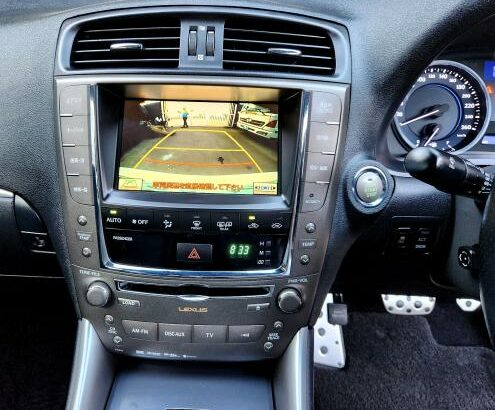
(199, 147)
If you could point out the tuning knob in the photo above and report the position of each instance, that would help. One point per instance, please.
(289, 300)
(98, 294)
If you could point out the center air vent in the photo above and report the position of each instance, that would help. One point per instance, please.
(128, 42)
(262, 44)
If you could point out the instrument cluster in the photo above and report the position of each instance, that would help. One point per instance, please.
(450, 107)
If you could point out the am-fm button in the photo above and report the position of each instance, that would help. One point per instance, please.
(140, 330)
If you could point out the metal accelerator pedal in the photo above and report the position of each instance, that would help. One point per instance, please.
(329, 347)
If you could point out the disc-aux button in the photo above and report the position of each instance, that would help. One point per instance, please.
(172, 333)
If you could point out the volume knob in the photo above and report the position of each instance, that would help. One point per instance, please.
(289, 300)
(98, 294)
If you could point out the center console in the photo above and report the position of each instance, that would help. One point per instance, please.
(197, 241)
(198, 197)
(199, 162)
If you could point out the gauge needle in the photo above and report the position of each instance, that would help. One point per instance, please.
(420, 117)
(436, 130)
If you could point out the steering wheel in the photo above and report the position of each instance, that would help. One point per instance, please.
(455, 175)
(487, 265)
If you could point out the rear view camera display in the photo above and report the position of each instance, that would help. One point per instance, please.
(199, 147)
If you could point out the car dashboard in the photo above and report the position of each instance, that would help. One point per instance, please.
(202, 176)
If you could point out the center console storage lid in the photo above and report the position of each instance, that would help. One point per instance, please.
(174, 386)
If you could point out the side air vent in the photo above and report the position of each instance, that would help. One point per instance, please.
(262, 44)
(128, 42)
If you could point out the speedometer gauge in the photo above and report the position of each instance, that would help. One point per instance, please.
(447, 108)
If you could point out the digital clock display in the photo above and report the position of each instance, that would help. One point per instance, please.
(239, 250)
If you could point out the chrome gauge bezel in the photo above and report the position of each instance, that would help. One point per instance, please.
(485, 95)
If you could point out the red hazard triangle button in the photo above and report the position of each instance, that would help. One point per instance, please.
(194, 252)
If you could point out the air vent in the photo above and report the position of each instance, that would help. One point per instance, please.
(128, 42)
(261, 44)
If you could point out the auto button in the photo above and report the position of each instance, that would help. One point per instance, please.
(113, 217)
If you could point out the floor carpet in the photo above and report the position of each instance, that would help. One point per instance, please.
(37, 336)
(395, 362)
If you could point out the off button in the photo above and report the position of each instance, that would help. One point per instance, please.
(139, 219)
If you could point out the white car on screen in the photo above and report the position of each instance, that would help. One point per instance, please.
(259, 120)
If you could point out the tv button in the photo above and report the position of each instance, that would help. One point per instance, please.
(209, 334)
(194, 252)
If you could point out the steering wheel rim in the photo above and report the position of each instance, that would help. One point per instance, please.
(487, 265)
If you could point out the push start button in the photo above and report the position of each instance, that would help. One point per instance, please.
(194, 252)
(370, 186)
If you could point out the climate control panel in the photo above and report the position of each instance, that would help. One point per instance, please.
(196, 239)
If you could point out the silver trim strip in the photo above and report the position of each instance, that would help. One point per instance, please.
(6, 194)
(120, 288)
(92, 371)
(126, 46)
(292, 381)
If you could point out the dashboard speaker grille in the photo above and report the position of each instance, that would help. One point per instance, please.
(263, 44)
(128, 42)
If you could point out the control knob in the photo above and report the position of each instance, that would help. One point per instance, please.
(289, 300)
(98, 294)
